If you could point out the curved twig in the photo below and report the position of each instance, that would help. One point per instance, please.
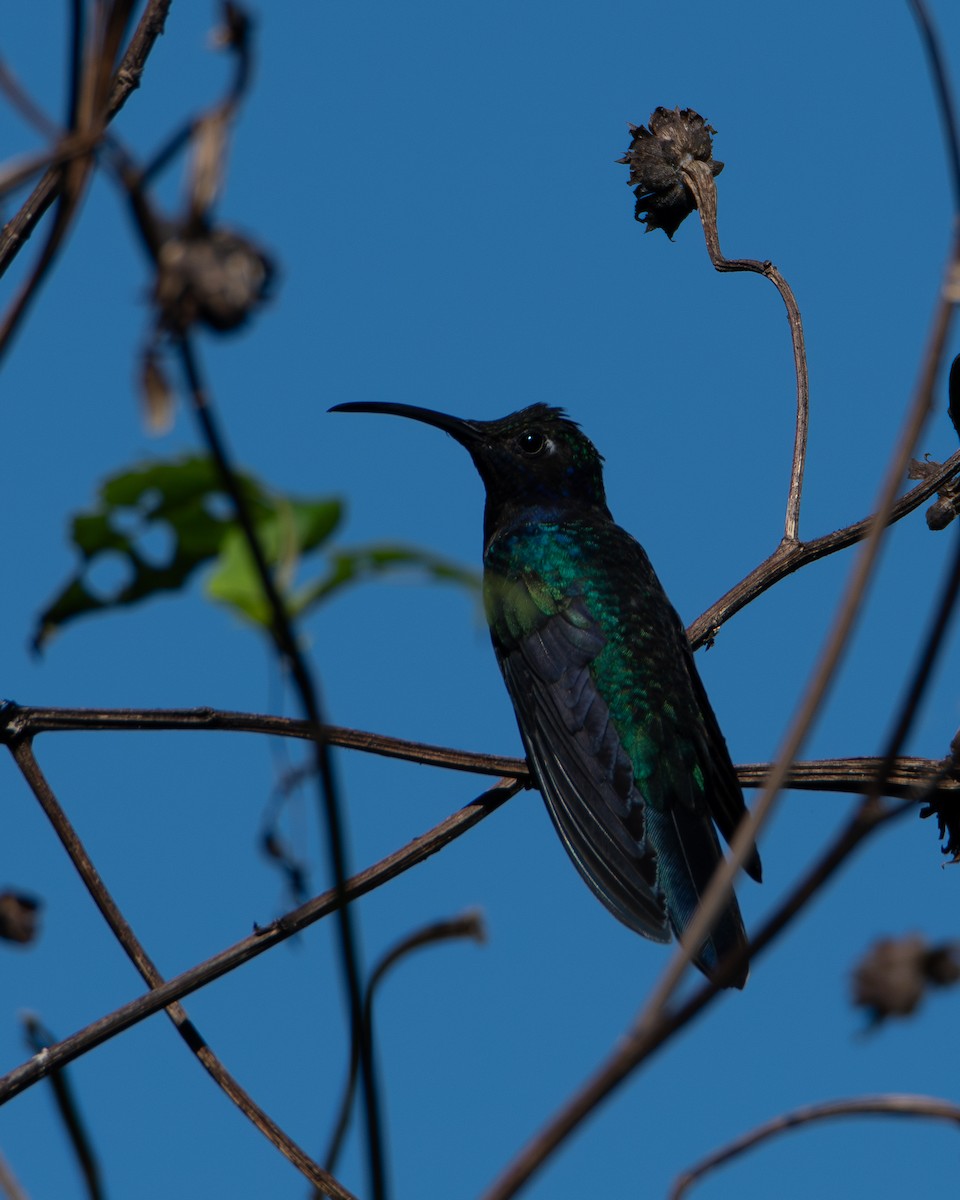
(931, 44)
(470, 925)
(890, 1105)
(698, 177)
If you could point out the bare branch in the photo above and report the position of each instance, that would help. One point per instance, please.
(109, 1026)
(790, 557)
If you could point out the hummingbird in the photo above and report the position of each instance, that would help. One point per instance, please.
(619, 734)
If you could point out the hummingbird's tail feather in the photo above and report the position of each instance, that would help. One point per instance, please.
(688, 853)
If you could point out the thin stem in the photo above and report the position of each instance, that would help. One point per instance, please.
(468, 926)
(699, 179)
(291, 657)
(948, 112)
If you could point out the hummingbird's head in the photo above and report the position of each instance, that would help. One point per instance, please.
(536, 458)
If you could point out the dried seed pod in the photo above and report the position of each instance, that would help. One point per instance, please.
(217, 278)
(19, 917)
(893, 977)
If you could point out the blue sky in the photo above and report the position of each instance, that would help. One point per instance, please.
(437, 182)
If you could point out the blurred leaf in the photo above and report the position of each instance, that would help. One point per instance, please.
(156, 394)
(184, 500)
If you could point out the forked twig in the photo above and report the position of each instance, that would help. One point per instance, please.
(791, 556)
(24, 757)
(14, 234)
(109, 1026)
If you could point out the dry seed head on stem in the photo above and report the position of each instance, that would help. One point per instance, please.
(657, 157)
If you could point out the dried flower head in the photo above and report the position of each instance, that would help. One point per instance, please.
(945, 804)
(19, 917)
(656, 159)
(893, 977)
(217, 277)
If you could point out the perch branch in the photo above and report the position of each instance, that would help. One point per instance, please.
(848, 775)
(18, 721)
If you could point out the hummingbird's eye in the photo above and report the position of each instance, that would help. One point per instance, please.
(532, 444)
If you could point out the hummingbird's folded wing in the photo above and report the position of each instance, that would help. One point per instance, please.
(646, 847)
(582, 769)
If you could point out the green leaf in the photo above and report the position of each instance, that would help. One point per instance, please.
(235, 581)
(184, 498)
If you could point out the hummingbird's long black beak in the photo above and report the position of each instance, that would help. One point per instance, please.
(467, 433)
